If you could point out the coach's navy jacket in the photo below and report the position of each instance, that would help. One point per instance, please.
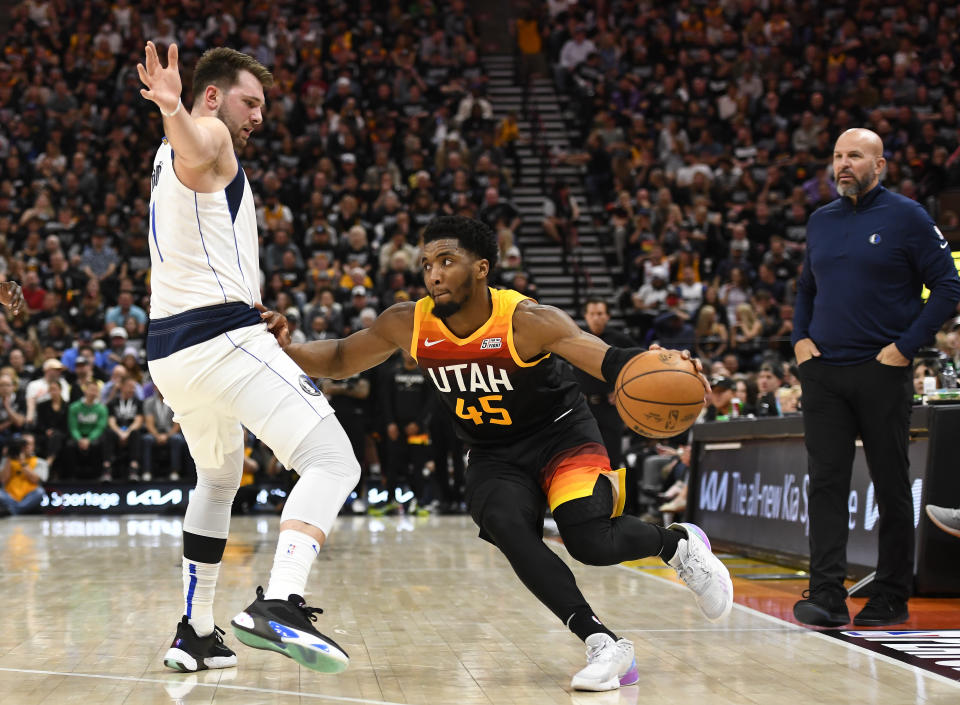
(863, 273)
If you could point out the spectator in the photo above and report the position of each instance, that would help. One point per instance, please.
(117, 316)
(39, 389)
(711, 334)
(87, 422)
(51, 426)
(769, 379)
(161, 434)
(20, 477)
(124, 432)
(13, 416)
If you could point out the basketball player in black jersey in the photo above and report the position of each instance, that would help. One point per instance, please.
(533, 442)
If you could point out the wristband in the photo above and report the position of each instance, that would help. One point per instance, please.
(177, 110)
(614, 360)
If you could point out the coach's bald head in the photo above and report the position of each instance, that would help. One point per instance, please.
(857, 162)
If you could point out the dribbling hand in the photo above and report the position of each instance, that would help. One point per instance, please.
(276, 324)
(163, 85)
(685, 354)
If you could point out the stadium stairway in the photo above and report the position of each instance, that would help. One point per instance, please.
(543, 131)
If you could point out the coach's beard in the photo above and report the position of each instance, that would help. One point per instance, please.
(856, 187)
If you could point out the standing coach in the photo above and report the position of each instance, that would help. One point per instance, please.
(858, 321)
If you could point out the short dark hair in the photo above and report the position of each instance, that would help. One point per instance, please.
(473, 235)
(221, 67)
(596, 300)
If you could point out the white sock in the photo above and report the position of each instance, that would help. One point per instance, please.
(291, 564)
(199, 584)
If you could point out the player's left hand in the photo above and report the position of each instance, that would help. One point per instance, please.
(698, 366)
(891, 355)
(276, 324)
(11, 296)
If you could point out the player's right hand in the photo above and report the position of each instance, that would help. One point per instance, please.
(276, 324)
(163, 85)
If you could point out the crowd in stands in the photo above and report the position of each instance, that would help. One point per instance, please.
(377, 122)
(707, 132)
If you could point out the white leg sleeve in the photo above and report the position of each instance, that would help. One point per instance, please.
(208, 513)
(328, 473)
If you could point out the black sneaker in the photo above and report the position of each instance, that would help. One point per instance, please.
(285, 626)
(825, 607)
(189, 652)
(882, 610)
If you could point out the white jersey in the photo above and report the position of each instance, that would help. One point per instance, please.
(204, 249)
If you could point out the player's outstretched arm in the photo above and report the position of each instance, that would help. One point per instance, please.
(538, 328)
(339, 359)
(199, 142)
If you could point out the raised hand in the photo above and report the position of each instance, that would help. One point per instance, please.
(163, 85)
(11, 296)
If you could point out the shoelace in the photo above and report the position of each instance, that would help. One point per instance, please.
(308, 612)
(693, 570)
(603, 652)
(809, 594)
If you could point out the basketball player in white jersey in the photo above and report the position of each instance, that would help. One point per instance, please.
(220, 369)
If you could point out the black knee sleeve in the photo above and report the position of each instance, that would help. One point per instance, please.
(590, 542)
(204, 549)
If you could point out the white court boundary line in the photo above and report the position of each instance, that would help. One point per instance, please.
(794, 627)
(246, 688)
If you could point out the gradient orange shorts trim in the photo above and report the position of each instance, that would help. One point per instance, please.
(573, 475)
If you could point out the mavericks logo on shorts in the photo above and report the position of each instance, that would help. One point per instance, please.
(307, 385)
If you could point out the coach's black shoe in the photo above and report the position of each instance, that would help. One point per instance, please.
(190, 652)
(824, 607)
(882, 610)
(285, 626)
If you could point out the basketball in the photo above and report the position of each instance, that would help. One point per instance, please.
(659, 394)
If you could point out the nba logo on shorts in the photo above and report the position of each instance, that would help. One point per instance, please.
(291, 547)
(491, 344)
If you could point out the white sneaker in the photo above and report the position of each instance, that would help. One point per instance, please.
(946, 519)
(703, 572)
(610, 664)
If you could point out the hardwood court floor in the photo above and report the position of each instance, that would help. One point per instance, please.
(430, 615)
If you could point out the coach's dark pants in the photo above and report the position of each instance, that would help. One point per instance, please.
(870, 400)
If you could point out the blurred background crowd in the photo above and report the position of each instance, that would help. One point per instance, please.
(704, 132)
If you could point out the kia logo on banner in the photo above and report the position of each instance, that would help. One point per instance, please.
(153, 498)
(114, 499)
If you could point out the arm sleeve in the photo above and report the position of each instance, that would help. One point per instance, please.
(614, 360)
(803, 306)
(931, 256)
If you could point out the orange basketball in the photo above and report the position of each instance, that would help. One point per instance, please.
(659, 394)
